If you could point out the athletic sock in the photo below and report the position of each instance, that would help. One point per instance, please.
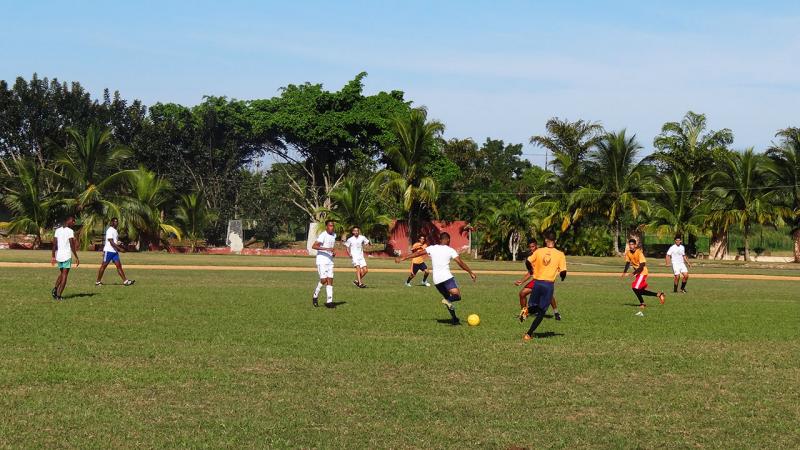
(452, 313)
(675, 287)
(639, 295)
(555, 310)
(425, 278)
(536, 322)
(683, 284)
(329, 291)
(648, 293)
(409, 280)
(316, 291)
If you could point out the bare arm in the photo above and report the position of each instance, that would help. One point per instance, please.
(625, 270)
(53, 253)
(667, 259)
(466, 268)
(686, 260)
(74, 245)
(416, 254)
(524, 278)
(115, 246)
(318, 246)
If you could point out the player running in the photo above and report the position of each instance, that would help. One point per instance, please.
(441, 255)
(64, 246)
(676, 257)
(324, 245)
(418, 263)
(526, 291)
(634, 257)
(111, 251)
(354, 246)
(548, 263)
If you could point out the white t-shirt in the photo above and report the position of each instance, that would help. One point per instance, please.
(676, 254)
(356, 246)
(111, 233)
(441, 255)
(62, 236)
(326, 241)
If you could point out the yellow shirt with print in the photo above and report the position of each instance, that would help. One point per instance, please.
(547, 263)
(414, 248)
(636, 259)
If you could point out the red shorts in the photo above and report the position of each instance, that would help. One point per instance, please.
(530, 284)
(639, 282)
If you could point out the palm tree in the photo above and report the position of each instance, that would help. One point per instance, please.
(515, 218)
(687, 146)
(31, 207)
(786, 159)
(354, 206)
(570, 143)
(143, 209)
(744, 196)
(621, 181)
(415, 138)
(89, 171)
(676, 207)
(193, 216)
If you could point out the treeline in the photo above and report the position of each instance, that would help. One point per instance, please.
(170, 171)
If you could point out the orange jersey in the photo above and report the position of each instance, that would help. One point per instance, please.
(636, 259)
(414, 248)
(547, 263)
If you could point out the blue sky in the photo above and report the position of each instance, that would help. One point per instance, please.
(485, 68)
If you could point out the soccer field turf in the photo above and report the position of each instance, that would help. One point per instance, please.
(231, 359)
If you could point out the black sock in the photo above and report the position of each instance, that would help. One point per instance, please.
(683, 284)
(648, 293)
(409, 280)
(638, 293)
(536, 322)
(675, 287)
(453, 314)
(425, 278)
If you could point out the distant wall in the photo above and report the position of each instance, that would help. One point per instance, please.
(399, 243)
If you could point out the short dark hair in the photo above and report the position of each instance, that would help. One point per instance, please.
(444, 235)
(532, 241)
(351, 229)
(328, 221)
(632, 241)
(114, 218)
(550, 236)
(678, 236)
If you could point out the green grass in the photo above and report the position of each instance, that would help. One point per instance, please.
(240, 359)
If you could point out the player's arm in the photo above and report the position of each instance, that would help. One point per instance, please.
(625, 270)
(639, 269)
(115, 246)
(525, 277)
(74, 246)
(686, 260)
(465, 267)
(347, 249)
(415, 254)
(317, 245)
(563, 267)
(668, 259)
(53, 253)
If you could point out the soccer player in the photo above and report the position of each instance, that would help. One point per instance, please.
(635, 258)
(418, 263)
(64, 246)
(354, 246)
(111, 250)
(676, 257)
(441, 255)
(324, 245)
(548, 263)
(526, 291)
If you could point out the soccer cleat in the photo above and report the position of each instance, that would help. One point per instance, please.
(455, 321)
(523, 314)
(59, 299)
(527, 337)
(643, 306)
(639, 313)
(330, 305)
(98, 283)
(129, 282)
(661, 297)
(557, 316)
(355, 282)
(683, 291)
(426, 284)
(408, 284)
(54, 293)
(362, 285)
(315, 302)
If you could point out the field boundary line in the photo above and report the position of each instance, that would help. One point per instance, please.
(711, 276)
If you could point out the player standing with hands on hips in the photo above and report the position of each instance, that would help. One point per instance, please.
(354, 246)
(64, 246)
(325, 253)
(676, 257)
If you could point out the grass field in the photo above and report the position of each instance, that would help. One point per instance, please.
(240, 359)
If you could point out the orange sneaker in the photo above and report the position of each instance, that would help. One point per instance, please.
(523, 314)
(527, 337)
(662, 298)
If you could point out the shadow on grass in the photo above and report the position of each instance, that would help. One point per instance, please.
(81, 295)
(547, 334)
(631, 304)
(445, 321)
(338, 304)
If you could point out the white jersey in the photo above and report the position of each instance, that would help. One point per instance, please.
(676, 254)
(325, 240)
(441, 255)
(356, 246)
(111, 233)
(62, 237)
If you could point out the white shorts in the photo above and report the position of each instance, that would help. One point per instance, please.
(325, 270)
(678, 269)
(359, 262)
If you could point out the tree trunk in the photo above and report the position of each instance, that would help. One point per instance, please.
(796, 237)
(719, 245)
(513, 244)
(746, 243)
(617, 232)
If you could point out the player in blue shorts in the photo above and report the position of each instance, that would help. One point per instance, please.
(111, 250)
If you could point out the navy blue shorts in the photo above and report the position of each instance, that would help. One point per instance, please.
(445, 286)
(110, 257)
(541, 295)
(417, 267)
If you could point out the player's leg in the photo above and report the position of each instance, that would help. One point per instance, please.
(684, 281)
(57, 285)
(426, 275)
(523, 296)
(357, 281)
(540, 300)
(100, 272)
(412, 274)
(675, 280)
(364, 272)
(121, 272)
(329, 288)
(554, 305)
(63, 285)
(322, 281)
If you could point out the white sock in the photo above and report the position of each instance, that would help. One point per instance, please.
(329, 291)
(555, 310)
(316, 291)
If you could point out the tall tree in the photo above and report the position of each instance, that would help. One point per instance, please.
(30, 205)
(786, 159)
(677, 207)
(688, 145)
(193, 216)
(403, 177)
(355, 206)
(570, 143)
(144, 207)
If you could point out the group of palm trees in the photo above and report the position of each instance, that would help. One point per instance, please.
(85, 180)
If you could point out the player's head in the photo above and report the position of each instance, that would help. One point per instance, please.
(422, 239)
(533, 245)
(444, 238)
(632, 244)
(550, 239)
(356, 231)
(678, 239)
(114, 222)
(329, 226)
(69, 221)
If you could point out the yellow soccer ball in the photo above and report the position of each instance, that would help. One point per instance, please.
(473, 320)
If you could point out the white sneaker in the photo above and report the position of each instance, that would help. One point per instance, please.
(128, 282)
(408, 284)
(640, 314)
(426, 284)
(98, 283)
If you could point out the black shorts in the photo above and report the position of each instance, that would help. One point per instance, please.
(417, 267)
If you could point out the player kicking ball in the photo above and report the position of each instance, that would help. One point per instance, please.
(418, 264)
(354, 246)
(111, 251)
(324, 245)
(634, 257)
(441, 255)
(64, 246)
(528, 288)
(676, 257)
